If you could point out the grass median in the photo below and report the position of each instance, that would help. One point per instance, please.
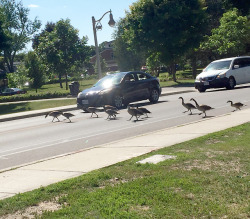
(9, 108)
(208, 179)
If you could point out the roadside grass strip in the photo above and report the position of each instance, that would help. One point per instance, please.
(209, 178)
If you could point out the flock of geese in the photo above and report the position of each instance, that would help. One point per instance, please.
(203, 108)
(111, 111)
(136, 112)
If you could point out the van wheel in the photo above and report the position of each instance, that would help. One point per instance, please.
(201, 89)
(231, 83)
(117, 101)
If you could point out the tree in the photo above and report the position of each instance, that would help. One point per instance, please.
(61, 48)
(128, 58)
(232, 37)
(17, 27)
(170, 28)
(35, 70)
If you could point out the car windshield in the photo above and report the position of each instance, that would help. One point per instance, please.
(109, 81)
(218, 65)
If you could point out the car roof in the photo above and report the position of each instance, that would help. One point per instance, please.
(232, 58)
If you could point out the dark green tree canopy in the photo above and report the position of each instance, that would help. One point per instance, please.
(170, 27)
(61, 48)
(17, 27)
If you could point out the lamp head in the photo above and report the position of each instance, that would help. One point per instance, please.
(111, 20)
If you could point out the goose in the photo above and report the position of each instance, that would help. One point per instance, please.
(237, 105)
(54, 114)
(112, 113)
(93, 110)
(202, 108)
(189, 106)
(134, 112)
(68, 115)
(143, 110)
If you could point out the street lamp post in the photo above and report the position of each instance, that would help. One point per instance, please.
(98, 26)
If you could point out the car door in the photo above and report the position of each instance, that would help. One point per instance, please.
(130, 88)
(143, 85)
(238, 71)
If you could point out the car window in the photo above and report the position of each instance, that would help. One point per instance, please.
(141, 76)
(109, 81)
(245, 62)
(129, 77)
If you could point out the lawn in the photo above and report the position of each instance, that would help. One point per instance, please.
(208, 179)
(34, 105)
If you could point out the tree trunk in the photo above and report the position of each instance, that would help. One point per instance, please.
(173, 71)
(60, 80)
(194, 65)
(66, 76)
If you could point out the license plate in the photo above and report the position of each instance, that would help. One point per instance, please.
(85, 101)
(206, 83)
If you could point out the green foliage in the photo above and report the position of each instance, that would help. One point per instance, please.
(61, 48)
(231, 37)
(127, 57)
(169, 28)
(35, 70)
(18, 78)
(17, 27)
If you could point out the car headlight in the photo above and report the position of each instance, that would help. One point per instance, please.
(79, 95)
(221, 75)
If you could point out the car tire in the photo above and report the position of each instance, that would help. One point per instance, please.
(201, 89)
(117, 101)
(154, 96)
(231, 83)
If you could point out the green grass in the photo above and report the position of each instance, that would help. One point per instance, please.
(208, 179)
(34, 105)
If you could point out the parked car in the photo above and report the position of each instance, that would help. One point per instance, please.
(12, 91)
(227, 73)
(120, 89)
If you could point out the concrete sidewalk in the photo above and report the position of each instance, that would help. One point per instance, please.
(42, 173)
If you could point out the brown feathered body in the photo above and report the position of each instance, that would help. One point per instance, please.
(54, 114)
(237, 105)
(68, 115)
(202, 108)
(134, 112)
(188, 106)
(143, 110)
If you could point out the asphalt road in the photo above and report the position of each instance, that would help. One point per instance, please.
(32, 139)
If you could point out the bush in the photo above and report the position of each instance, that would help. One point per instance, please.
(24, 97)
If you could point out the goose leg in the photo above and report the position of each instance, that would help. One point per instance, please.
(58, 119)
(130, 118)
(96, 115)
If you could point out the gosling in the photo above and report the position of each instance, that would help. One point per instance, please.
(54, 114)
(188, 106)
(68, 115)
(93, 110)
(202, 108)
(111, 113)
(237, 105)
(143, 110)
(134, 112)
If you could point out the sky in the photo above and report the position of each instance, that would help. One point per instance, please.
(80, 13)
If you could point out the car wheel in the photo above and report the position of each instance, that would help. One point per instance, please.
(231, 83)
(201, 89)
(117, 101)
(154, 96)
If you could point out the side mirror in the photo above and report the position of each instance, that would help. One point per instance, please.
(236, 66)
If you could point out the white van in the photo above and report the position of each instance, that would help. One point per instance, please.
(224, 73)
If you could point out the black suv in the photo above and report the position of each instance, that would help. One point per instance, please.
(120, 89)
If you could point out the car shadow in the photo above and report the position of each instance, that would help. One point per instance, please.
(224, 89)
